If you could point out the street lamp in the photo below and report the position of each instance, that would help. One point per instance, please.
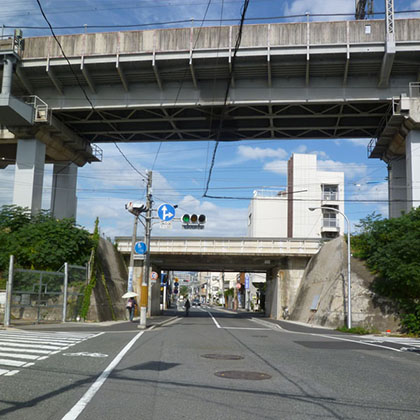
(348, 258)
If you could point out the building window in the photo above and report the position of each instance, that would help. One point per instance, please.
(329, 192)
(329, 219)
(249, 219)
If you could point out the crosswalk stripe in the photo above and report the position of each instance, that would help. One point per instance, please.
(4, 348)
(7, 362)
(20, 349)
(26, 340)
(36, 346)
(19, 356)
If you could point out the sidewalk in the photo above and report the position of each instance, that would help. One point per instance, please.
(105, 326)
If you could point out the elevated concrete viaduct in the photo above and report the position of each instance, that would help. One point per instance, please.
(291, 81)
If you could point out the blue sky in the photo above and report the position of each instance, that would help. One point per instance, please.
(180, 169)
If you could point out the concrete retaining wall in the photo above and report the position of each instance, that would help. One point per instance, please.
(324, 289)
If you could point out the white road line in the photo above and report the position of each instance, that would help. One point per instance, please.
(35, 346)
(214, 320)
(26, 350)
(29, 346)
(6, 362)
(41, 341)
(245, 328)
(19, 356)
(94, 388)
(39, 338)
(356, 341)
(270, 325)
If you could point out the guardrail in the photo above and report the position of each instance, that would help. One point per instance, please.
(226, 246)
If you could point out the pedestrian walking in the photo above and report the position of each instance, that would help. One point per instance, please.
(187, 306)
(131, 307)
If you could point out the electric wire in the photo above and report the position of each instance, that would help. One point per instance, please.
(223, 110)
(78, 81)
(185, 21)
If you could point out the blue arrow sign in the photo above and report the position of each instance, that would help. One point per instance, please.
(166, 212)
(140, 248)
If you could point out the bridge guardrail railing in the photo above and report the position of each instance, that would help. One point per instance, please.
(234, 246)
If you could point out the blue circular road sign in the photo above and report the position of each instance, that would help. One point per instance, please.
(166, 212)
(140, 248)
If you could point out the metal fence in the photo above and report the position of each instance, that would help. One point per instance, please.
(44, 296)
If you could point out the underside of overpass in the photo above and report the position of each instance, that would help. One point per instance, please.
(307, 80)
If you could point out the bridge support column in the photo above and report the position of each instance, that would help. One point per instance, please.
(282, 286)
(412, 153)
(397, 187)
(273, 296)
(29, 174)
(63, 194)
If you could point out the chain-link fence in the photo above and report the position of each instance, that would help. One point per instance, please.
(44, 296)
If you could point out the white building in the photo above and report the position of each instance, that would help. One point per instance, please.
(286, 214)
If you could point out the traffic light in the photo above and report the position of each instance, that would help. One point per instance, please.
(136, 208)
(193, 221)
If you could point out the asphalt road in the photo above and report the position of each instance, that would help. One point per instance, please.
(210, 365)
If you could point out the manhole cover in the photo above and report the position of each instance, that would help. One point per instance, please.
(241, 374)
(222, 356)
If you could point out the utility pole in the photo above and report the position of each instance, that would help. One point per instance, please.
(131, 264)
(145, 302)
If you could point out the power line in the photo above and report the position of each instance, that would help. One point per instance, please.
(223, 110)
(78, 81)
(184, 21)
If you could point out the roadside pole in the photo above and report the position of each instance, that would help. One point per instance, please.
(131, 263)
(66, 285)
(9, 288)
(144, 299)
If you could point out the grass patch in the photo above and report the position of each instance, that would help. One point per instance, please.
(356, 330)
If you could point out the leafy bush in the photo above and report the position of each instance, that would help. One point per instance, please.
(391, 248)
(41, 242)
(355, 330)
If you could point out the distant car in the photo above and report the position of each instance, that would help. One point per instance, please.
(196, 302)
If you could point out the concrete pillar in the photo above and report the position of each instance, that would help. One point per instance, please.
(29, 174)
(412, 153)
(272, 294)
(63, 193)
(397, 187)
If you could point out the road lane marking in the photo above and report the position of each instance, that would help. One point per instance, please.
(16, 350)
(94, 388)
(270, 325)
(86, 354)
(214, 319)
(34, 346)
(19, 356)
(246, 328)
(6, 362)
(356, 341)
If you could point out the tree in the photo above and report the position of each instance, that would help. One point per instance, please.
(391, 248)
(41, 242)
(183, 291)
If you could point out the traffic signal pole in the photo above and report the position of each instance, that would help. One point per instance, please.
(144, 299)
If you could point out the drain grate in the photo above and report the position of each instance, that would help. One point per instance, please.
(242, 374)
(222, 356)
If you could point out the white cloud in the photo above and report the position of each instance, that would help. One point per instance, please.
(356, 142)
(254, 153)
(276, 166)
(299, 7)
(351, 170)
